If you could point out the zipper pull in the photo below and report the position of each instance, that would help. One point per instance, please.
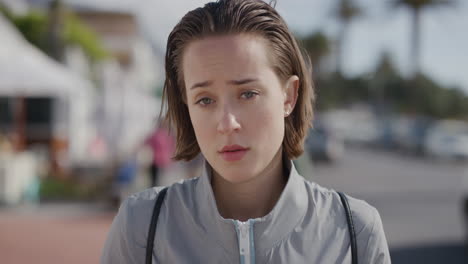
(244, 241)
(244, 229)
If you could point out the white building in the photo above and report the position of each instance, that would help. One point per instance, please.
(42, 105)
(123, 105)
(47, 103)
(127, 105)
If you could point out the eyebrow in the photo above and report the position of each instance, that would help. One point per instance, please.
(201, 85)
(232, 82)
(243, 81)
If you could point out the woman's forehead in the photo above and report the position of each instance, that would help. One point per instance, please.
(233, 57)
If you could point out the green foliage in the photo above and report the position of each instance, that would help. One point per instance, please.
(347, 10)
(34, 26)
(56, 189)
(385, 67)
(77, 33)
(317, 46)
(419, 4)
(337, 90)
(432, 99)
(419, 95)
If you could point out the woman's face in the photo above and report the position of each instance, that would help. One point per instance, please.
(237, 104)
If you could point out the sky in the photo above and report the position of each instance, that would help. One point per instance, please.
(444, 54)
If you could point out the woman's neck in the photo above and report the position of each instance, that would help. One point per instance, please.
(252, 199)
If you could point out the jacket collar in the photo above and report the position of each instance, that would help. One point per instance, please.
(268, 230)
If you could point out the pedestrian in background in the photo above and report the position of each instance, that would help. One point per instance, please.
(161, 144)
(239, 91)
(124, 178)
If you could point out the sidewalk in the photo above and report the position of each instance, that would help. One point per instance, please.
(53, 233)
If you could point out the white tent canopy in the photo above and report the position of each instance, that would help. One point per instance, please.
(125, 113)
(27, 72)
(24, 70)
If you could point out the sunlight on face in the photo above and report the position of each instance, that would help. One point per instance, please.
(236, 103)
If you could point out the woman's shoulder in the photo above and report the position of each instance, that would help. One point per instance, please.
(327, 200)
(370, 235)
(146, 198)
(136, 210)
(128, 234)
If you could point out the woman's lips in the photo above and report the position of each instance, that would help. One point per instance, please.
(233, 153)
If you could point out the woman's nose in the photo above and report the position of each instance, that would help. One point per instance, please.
(228, 123)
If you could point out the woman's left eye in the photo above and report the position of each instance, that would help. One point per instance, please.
(248, 94)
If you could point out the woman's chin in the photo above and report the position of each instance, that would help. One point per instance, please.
(237, 174)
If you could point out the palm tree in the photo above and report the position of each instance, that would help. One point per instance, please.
(345, 12)
(317, 46)
(416, 7)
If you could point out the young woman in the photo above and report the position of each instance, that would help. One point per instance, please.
(238, 91)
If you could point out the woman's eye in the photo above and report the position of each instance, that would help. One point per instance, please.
(249, 94)
(204, 101)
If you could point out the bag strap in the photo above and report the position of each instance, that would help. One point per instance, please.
(352, 232)
(153, 224)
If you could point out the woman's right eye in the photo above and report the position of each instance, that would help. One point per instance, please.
(204, 101)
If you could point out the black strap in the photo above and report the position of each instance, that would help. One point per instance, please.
(352, 232)
(153, 224)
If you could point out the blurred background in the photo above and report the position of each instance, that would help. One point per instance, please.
(80, 94)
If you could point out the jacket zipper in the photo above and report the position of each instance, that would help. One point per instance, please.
(245, 242)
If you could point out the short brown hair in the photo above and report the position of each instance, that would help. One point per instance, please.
(234, 17)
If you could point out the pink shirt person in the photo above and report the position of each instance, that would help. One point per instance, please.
(162, 146)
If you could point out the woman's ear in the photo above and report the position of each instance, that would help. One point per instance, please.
(290, 94)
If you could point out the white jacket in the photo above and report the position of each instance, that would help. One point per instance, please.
(307, 225)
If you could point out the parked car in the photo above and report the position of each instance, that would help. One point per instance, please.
(355, 126)
(322, 144)
(410, 133)
(448, 139)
